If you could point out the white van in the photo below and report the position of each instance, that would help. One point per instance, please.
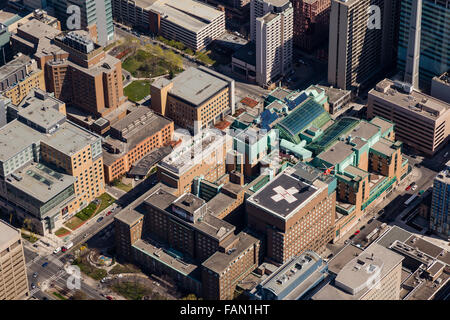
(57, 250)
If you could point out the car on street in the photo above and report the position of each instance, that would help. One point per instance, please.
(57, 250)
(413, 188)
(100, 219)
(421, 192)
(44, 264)
(381, 212)
(109, 212)
(35, 275)
(109, 298)
(85, 236)
(357, 232)
(407, 188)
(33, 286)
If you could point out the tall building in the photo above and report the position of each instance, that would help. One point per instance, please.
(50, 168)
(374, 274)
(440, 203)
(182, 238)
(357, 52)
(421, 121)
(96, 16)
(274, 41)
(311, 22)
(13, 273)
(294, 212)
(434, 38)
(195, 99)
(77, 69)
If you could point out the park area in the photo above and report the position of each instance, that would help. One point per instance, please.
(151, 61)
(137, 90)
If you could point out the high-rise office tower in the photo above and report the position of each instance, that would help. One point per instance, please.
(434, 38)
(440, 203)
(96, 16)
(274, 40)
(13, 275)
(362, 41)
(413, 56)
(311, 22)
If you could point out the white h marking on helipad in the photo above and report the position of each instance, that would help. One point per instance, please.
(282, 193)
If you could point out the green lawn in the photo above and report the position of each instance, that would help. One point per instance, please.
(137, 90)
(152, 62)
(107, 200)
(122, 186)
(87, 212)
(73, 223)
(205, 58)
(61, 232)
(90, 270)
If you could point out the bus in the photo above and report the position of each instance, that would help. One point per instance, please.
(411, 199)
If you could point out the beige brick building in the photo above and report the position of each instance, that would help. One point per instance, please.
(13, 275)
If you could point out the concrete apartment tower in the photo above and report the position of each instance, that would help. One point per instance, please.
(361, 41)
(440, 205)
(274, 41)
(13, 274)
(413, 55)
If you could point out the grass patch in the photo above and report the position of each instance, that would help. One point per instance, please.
(127, 268)
(137, 90)
(87, 212)
(61, 232)
(152, 61)
(29, 237)
(135, 291)
(59, 296)
(106, 201)
(73, 223)
(122, 186)
(90, 270)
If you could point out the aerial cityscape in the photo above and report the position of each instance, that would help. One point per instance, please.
(225, 150)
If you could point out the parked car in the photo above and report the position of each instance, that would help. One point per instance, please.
(109, 298)
(413, 188)
(357, 232)
(57, 250)
(109, 212)
(100, 219)
(33, 286)
(35, 275)
(407, 188)
(44, 264)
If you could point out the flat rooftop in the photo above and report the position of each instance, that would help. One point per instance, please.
(42, 114)
(70, 138)
(196, 86)
(384, 146)
(12, 66)
(383, 124)
(39, 30)
(291, 271)
(337, 153)
(7, 233)
(247, 53)
(220, 261)
(129, 216)
(188, 14)
(40, 181)
(163, 254)
(283, 196)
(417, 102)
(15, 137)
(376, 262)
(337, 263)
